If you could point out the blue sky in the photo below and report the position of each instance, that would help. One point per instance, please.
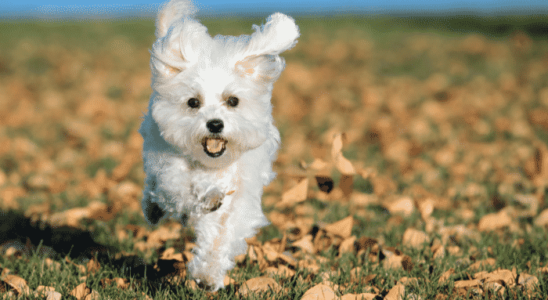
(216, 7)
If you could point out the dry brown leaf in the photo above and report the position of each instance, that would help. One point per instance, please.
(426, 208)
(344, 165)
(169, 254)
(305, 244)
(227, 281)
(482, 264)
(18, 284)
(528, 282)
(505, 276)
(465, 287)
(47, 292)
(287, 259)
(93, 266)
(310, 264)
(358, 275)
(403, 205)
(80, 291)
(342, 228)
(121, 283)
(281, 271)
(346, 184)
(296, 194)
(325, 183)
(542, 219)
(446, 276)
(347, 245)
(494, 288)
(415, 238)
(93, 295)
(341, 163)
(258, 285)
(397, 292)
(320, 292)
(494, 221)
(393, 262)
(363, 296)
(439, 253)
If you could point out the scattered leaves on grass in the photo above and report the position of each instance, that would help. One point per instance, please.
(459, 141)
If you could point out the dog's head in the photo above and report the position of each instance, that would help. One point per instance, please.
(213, 94)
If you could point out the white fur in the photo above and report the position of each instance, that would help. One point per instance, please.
(186, 63)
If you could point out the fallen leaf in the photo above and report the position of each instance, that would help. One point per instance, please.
(363, 296)
(320, 292)
(415, 238)
(342, 228)
(121, 283)
(542, 219)
(403, 205)
(169, 254)
(528, 282)
(346, 184)
(494, 221)
(465, 287)
(305, 244)
(317, 164)
(258, 285)
(47, 292)
(426, 208)
(397, 292)
(17, 283)
(228, 281)
(296, 194)
(446, 276)
(493, 287)
(93, 295)
(505, 276)
(341, 163)
(281, 271)
(482, 264)
(347, 245)
(80, 291)
(93, 266)
(325, 183)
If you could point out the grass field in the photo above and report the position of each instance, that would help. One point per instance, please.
(438, 192)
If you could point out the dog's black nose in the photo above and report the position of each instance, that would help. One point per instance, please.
(215, 125)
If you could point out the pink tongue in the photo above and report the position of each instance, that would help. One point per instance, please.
(214, 145)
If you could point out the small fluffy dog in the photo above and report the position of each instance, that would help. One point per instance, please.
(209, 137)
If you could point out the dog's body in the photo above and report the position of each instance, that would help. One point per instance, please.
(209, 138)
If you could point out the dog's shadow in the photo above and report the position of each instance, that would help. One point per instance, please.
(75, 243)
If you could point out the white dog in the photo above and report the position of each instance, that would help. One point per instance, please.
(209, 138)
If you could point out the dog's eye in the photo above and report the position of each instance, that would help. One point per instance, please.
(193, 102)
(232, 101)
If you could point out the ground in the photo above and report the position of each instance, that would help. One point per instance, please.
(413, 164)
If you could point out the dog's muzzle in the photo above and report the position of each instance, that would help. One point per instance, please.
(214, 146)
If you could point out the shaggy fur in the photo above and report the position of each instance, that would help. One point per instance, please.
(209, 138)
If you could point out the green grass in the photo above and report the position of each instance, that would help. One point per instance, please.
(525, 251)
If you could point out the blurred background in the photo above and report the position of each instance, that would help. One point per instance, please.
(441, 102)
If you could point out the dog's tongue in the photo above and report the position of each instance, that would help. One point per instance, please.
(214, 145)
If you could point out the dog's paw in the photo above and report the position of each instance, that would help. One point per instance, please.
(153, 212)
(212, 200)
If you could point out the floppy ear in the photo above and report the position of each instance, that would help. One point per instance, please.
(260, 59)
(179, 38)
(171, 12)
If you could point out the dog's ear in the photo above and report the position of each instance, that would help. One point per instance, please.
(260, 58)
(170, 12)
(179, 38)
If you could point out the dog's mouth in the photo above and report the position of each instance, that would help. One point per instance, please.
(214, 146)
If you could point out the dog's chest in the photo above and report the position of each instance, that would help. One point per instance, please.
(227, 179)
